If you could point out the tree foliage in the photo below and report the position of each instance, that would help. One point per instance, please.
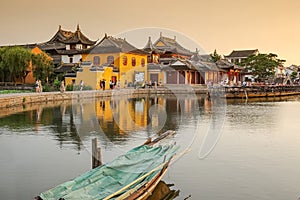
(15, 62)
(42, 67)
(215, 56)
(262, 66)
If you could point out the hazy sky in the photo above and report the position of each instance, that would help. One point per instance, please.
(267, 25)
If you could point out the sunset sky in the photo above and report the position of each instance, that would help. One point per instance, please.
(267, 25)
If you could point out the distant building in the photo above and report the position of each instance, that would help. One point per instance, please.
(171, 63)
(231, 73)
(237, 56)
(66, 46)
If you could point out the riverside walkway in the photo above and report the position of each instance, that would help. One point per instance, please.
(23, 99)
(17, 99)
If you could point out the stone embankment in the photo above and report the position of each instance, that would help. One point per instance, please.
(261, 91)
(11, 100)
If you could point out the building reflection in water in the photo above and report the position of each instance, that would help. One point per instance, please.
(116, 119)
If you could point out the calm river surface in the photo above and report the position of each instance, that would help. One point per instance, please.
(237, 149)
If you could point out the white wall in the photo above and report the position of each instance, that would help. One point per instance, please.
(66, 58)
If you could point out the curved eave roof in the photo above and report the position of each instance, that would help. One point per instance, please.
(79, 37)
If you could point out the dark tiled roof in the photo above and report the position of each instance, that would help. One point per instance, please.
(150, 48)
(110, 44)
(51, 46)
(172, 45)
(242, 53)
(70, 75)
(69, 52)
(61, 35)
(66, 68)
(197, 57)
(69, 37)
(225, 64)
(78, 38)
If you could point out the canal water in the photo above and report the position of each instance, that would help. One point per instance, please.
(234, 149)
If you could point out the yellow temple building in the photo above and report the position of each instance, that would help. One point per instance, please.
(111, 60)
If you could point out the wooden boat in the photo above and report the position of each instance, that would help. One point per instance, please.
(132, 176)
(164, 192)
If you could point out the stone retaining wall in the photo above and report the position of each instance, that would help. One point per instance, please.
(10, 100)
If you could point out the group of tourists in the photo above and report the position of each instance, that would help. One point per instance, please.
(112, 84)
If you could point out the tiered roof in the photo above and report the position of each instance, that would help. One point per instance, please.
(69, 37)
(61, 36)
(78, 38)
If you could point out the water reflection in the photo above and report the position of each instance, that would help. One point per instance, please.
(259, 144)
(114, 120)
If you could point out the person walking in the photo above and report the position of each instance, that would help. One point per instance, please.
(81, 85)
(37, 86)
(62, 87)
(40, 86)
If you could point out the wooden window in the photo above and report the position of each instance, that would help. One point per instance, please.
(133, 61)
(143, 62)
(110, 60)
(96, 60)
(125, 60)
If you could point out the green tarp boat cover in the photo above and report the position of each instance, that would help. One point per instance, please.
(111, 177)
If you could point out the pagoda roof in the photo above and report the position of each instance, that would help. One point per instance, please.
(61, 35)
(69, 37)
(78, 38)
(171, 45)
(111, 44)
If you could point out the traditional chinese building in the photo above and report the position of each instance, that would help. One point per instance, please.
(65, 46)
(171, 63)
(237, 56)
(231, 74)
(112, 60)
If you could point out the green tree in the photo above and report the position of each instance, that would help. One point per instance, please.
(262, 66)
(294, 75)
(14, 62)
(43, 67)
(215, 56)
